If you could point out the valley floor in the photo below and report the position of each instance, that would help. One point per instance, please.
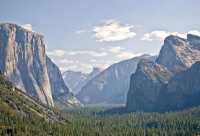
(88, 122)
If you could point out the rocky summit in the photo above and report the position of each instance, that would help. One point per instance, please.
(76, 80)
(25, 63)
(178, 54)
(145, 86)
(158, 86)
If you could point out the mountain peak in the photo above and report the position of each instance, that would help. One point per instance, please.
(174, 40)
(145, 85)
(177, 54)
(148, 84)
(15, 27)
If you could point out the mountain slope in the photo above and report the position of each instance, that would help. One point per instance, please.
(22, 115)
(13, 101)
(76, 80)
(111, 85)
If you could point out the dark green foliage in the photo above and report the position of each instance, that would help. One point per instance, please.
(20, 116)
(176, 123)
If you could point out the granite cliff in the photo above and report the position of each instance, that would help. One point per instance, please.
(24, 62)
(157, 86)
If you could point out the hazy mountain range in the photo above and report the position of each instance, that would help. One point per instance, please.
(76, 80)
(110, 87)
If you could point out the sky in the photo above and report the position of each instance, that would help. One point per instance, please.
(82, 34)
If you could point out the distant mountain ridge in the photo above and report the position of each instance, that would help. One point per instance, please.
(111, 85)
(167, 83)
(24, 62)
(76, 80)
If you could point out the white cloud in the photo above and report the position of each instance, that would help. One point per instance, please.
(85, 60)
(195, 32)
(127, 55)
(80, 31)
(182, 35)
(113, 30)
(66, 61)
(84, 67)
(161, 35)
(116, 49)
(120, 53)
(93, 60)
(27, 27)
(72, 64)
(76, 66)
(155, 35)
(88, 52)
(57, 53)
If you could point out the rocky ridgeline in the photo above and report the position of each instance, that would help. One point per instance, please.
(76, 80)
(167, 84)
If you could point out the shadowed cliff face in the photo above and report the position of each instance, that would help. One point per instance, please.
(158, 86)
(60, 92)
(24, 63)
(183, 90)
(57, 83)
(145, 86)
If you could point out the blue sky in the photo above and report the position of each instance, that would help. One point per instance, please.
(81, 34)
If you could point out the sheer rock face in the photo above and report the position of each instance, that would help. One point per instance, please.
(152, 83)
(57, 83)
(60, 92)
(111, 85)
(183, 90)
(61, 95)
(145, 86)
(24, 63)
(178, 54)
